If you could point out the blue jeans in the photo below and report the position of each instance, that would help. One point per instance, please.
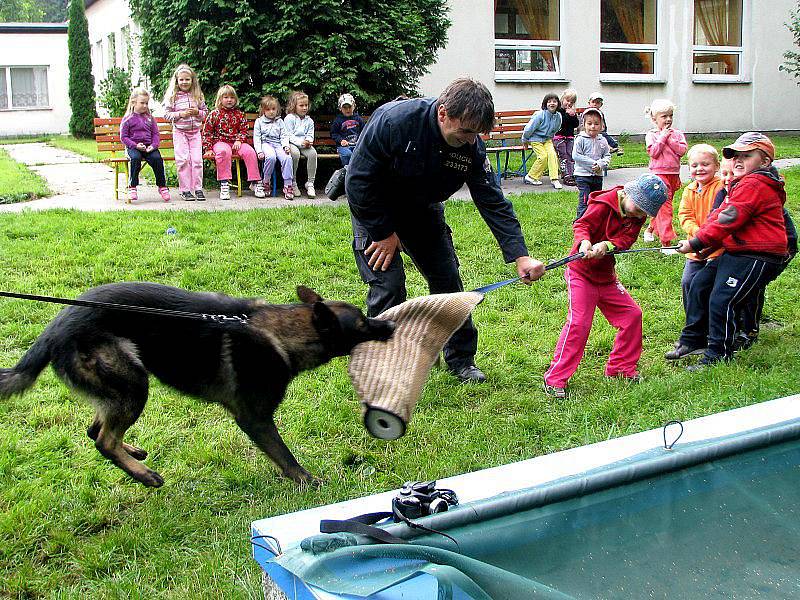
(151, 158)
(586, 185)
(345, 152)
(690, 269)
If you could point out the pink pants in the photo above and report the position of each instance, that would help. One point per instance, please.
(222, 156)
(618, 307)
(188, 147)
(661, 224)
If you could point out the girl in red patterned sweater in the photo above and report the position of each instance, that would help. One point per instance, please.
(224, 135)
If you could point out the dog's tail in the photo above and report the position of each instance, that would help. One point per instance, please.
(20, 378)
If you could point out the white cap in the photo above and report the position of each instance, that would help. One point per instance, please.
(596, 96)
(346, 99)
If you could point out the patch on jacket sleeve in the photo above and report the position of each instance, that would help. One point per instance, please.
(728, 215)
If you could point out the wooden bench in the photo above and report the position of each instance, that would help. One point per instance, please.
(506, 137)
(106, 134)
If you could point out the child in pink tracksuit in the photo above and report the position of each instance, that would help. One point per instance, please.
(665, 146)
(186, 109)
(612, 221)
(225, 134)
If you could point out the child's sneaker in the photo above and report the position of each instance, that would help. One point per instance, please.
(132, 194)
(187, 196)
(531, 180)
(164, 193)
(296, 190)
(557, 184)
(312, 193)
(648, 236)
(258, 189)
(559, 393)
(288, 192)
(224, 190)
(199, 195)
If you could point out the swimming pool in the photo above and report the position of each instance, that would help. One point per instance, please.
(717, 516)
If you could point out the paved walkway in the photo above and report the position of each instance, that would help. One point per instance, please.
(79, 183)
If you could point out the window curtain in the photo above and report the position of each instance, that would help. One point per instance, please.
(712, 16)
(3, 89)
(29, 88)
(534, 15)
(630, 16)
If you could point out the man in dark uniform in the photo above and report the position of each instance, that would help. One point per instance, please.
(412, 156)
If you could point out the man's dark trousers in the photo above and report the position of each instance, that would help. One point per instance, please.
(717, 292)
(427, 239)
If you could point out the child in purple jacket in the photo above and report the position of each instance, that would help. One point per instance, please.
(139, 132)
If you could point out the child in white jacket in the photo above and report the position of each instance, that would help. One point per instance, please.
(592, 156)
(271, 142)
(301, 136)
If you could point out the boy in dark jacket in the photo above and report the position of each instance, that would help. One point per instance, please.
(750, 225)
(612, 221)
(346, 128)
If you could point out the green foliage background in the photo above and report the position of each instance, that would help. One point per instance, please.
(115, 91)
(792, 64)
(81, 80)
(374, 49)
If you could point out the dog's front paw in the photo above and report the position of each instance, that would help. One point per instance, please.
(305, 479)
(150, 478)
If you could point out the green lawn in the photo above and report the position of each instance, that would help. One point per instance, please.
(18, 183)
(74, 526)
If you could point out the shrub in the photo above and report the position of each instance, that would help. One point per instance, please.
(115, 91)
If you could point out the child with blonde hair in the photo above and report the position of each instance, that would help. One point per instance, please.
(301, 136)
(225, 134)
(138, 130)
(564, 139)
(271, 141)
(186, 109)
(665, 146)
(696, 204)
(539, 133)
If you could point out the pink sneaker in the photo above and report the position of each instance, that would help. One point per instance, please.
(132, 195)
(164, 193)
(288, 192)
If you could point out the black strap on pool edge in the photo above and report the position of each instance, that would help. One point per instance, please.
(163, 312)
(566, 260)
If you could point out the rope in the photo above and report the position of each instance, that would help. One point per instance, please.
(164, 312)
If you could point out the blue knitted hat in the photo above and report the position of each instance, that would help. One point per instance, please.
(648, 192)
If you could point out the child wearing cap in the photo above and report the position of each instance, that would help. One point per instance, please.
(750, 226)
(612, 221)
(592, 156)
(346, 128)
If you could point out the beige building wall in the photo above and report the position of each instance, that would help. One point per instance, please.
(764, 100)
(47, 50)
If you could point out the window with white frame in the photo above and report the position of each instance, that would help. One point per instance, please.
(125, 46)
(527, 40)
(717, 37)
(112, 50)
(628, 38)
(23, 87)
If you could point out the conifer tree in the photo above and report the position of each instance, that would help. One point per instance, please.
(81, 80)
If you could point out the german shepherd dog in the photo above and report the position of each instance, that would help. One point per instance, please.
(107, 355)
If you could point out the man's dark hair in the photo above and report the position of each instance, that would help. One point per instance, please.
(549, 97)
(471, 102)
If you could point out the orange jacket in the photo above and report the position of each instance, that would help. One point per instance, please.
(695, 207)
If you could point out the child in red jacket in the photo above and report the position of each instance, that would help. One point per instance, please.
(612, 221)
(750, 225)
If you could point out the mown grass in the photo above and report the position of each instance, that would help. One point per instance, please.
(74, 526)
(18, 183)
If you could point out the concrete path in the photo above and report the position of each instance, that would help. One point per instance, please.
(79, 183)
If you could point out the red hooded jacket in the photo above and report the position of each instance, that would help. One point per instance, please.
(750, 220)
(603, 221)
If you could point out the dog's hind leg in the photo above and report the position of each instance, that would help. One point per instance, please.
(260, 428)
(94, 430)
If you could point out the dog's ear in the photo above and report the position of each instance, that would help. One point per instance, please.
(325, 321)
(308, 295)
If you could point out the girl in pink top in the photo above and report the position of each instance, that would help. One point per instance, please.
(186, 110)
(665, 146)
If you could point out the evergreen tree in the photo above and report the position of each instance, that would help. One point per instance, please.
(81, 80)
(374, 49)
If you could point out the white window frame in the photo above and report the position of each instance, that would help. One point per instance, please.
(553, 46)
(737, 50)
(655, 49)
(10, 94)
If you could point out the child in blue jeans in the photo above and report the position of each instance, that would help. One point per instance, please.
(346, 128)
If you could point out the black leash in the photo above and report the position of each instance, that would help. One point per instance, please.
(566, 260)
(164, 312)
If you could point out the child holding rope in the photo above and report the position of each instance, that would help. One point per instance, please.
(612, 221)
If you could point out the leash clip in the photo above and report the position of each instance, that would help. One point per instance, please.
(220, 319)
